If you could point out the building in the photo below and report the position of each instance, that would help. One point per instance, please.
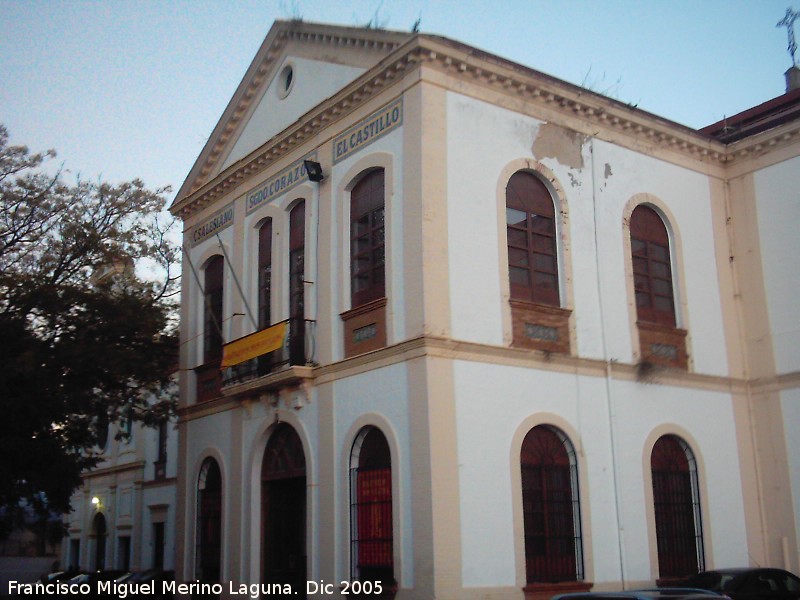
(124, 515)
(518, 338)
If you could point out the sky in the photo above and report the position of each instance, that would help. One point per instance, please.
(132, 89)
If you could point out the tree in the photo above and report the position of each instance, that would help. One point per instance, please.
(86, 321)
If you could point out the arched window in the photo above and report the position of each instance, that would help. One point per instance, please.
(676, 498)
(371, 532)
(99, 531)
(265, 274)
(283, 502)
(531, 233)
(550, 506)
(212, 310)
(297, 249)
(209, 522)
(652, 271)
(367, 239)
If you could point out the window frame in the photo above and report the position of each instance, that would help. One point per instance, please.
(526, 192)
(554, 440)
(651, 251)
(213, 308)
(368, 205)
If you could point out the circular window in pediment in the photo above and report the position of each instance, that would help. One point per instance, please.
(286, 80)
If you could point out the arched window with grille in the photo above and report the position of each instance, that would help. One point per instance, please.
(297, 264)
(531, 233)
(371, 529)
(550, 507)
(676, 499)
(209, 522)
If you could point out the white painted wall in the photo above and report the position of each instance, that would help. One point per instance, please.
(314, 81)
(483, 139)
(494, 402)
(777, 190)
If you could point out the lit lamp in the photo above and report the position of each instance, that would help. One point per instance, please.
(314, 170)
(96, 501)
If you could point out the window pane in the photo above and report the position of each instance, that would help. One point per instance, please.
(662, 287)
(544, 262)
(543, 244)
(638, 247)
(518, 276)
(640, 283)
(663, 303)
(642, 300)
(660, 269)
(658, 252)
(516, 217)
(639, 265)
(544, 280)
(517, 258)
(542, 224)
(517, 238)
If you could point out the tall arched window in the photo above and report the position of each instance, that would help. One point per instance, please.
(367, 239)
(212, 310)
(209, 522)
(652, 271)
(265, 274)
(531, 232)
(297, 250)
(371, 530)
(550, 506)
(676, 498)
(99, 532)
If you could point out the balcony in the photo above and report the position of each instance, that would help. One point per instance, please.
(290, 364)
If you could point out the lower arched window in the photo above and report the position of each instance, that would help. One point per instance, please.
(550, 507)
(371, 533)
(676, 498)
(209, 522)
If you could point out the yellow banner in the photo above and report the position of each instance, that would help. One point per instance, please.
(253, 345)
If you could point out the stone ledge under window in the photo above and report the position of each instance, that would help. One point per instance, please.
(545, 591)
(365, 328)
(540, 327)
(662, 345)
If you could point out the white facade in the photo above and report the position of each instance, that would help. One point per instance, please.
(436, 363)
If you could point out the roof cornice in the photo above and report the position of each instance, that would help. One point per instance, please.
(605, 116)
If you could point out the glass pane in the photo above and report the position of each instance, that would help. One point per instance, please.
(544, 262)
(378, 217)
(378, 256)
(360, 226)
(638, 247)
(662, 303)
(642, 300)
(518, 258)
(361, 244)
(662, 287)
(659, 252)
(639, 265)
(543, 244)
(516, 217)
(542, 224)
(517, 238)
(660, 269)
(640, 283)
(518, 276)
(544, 280)
(360, 282)
(378, 236)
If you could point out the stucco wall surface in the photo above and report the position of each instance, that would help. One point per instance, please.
(612, 429)
(313, 81)
(777, 191)
(599, 180)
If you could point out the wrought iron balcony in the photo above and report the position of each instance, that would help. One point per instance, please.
(278, 367)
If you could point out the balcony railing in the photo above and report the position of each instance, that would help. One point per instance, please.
(298, 349)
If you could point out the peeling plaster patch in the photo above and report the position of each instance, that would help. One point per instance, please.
(559, 143)
(572, 181)
(608, 172)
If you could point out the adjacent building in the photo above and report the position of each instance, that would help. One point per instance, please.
(454, 328)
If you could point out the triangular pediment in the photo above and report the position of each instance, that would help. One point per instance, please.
(298, 66)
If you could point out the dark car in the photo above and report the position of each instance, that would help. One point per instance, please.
(682, 593)
(749, 583)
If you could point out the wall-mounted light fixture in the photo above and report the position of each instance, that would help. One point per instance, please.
(96, 501)
(314, 170)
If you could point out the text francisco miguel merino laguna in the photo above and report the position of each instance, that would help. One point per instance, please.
(251, 590)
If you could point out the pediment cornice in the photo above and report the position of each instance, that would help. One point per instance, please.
(600, 116)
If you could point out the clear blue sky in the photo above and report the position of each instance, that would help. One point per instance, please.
(134, 88)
